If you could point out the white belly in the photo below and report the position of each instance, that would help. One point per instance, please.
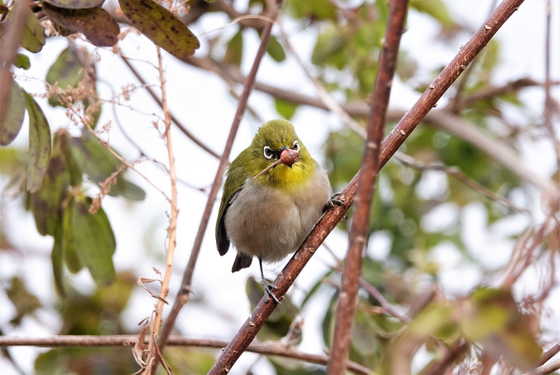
(269, 223)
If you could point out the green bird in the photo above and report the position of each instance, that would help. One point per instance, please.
(273, 195)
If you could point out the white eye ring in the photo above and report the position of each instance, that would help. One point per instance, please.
(267, 152)
(295, 145)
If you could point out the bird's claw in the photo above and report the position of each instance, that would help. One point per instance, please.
(269, 288)
(336, 200)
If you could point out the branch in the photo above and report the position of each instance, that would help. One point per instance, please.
(131, 340)
(8, 50)
(183, 294)
(328, 221)
(156, 99)
(366, 186)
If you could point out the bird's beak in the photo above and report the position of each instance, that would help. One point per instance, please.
(289, 157)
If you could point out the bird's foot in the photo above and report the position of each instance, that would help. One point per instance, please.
(336, 200)
(269, 289)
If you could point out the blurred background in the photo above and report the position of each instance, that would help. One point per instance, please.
(450, 216)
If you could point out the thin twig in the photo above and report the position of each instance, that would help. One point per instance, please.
(176, 121)
(155, 323)
(184, 291)
(328, 221)
(8, 49)
(268, 348)
(379, 102)
(548, 102)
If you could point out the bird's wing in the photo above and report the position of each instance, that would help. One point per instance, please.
(236, 177)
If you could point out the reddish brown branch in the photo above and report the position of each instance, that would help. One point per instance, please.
(184, 291)
(366, 185)
(130, 340)
(8, 49)
(176, 121)
(326, 224)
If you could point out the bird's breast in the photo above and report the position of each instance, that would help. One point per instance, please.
(270, 223)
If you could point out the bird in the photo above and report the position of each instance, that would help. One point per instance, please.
(273, 195)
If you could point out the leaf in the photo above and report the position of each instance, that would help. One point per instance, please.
(494, 320)
(92, 239)
(75, 4)
(57, 261)
(39, 145)
(285, 109)
(22, 61)
(99, 164)
(95, 23)
(33, 37)
(234, 49)
(161, 26)
(24, 301)
(46, 204)
(66, 72)
(435, 8)
(68, 248)
(275, 50)
(11, 121)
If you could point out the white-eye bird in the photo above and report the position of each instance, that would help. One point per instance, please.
(273, 195)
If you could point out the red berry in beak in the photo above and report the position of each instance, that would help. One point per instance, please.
(289, 157)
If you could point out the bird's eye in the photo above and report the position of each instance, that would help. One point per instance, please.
(267, 151)
(295, 146)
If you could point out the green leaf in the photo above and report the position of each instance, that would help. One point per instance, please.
(315, 9)
(46, 204)
(435, 8)
(285, 109)
(66, 72)
(92, 239)
(95, 23)
(24, 301)
(33, 37)
(39, 145)
(22, 61)
(68, 248)
(161, 26)
(75, 4)
(11, 121)
(128, 190)
(234, 49)
(57, 260)
(275, 50)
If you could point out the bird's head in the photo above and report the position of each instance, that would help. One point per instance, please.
(277, 150)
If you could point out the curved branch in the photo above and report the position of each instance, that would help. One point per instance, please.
(130, 340)
(328, 221)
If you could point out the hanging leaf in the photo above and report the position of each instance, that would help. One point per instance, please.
(275, 50)
(22, 61)
(95, 23)
(24, 301)
(75, 4)
(33, 37)
(46, 204)
(91, 238)
(99, 164)
(66, 72)
(11, 121)
(285, 109)
(39, 145)
(234, 49)
(57, 260)
(68, 248)
(161, 26)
